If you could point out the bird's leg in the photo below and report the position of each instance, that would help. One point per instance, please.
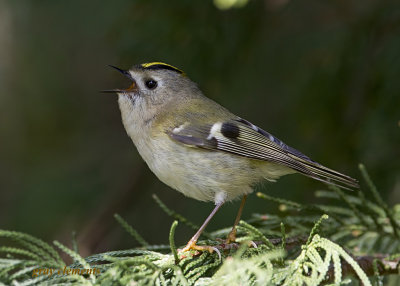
(232, 235)
(192, 242)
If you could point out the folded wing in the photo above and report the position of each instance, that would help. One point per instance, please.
(242, 138)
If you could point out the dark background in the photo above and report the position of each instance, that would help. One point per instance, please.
(323, 76)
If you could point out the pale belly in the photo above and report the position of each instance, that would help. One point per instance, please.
(204, 174)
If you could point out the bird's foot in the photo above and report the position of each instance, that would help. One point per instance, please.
(230, 241)
(193, 246)
(231, 236)
(226, 244)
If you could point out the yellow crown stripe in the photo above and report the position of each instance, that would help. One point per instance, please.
(160, 64)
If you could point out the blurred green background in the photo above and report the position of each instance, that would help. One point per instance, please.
(323, 76)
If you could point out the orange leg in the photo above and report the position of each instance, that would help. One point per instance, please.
(232, 235)
(192, 242)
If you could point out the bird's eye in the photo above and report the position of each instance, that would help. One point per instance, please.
(151, 84)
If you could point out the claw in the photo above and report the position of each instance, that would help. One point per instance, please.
(202, 248)
(218, 252)
(193, 246)
(231, 238)
(252, 243)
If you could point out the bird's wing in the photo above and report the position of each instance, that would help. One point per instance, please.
(242, 138)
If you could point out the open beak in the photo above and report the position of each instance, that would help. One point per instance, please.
(131, 88)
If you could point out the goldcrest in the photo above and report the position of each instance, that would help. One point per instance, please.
(199, 148)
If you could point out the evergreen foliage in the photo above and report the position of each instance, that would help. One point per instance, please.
(353, 240)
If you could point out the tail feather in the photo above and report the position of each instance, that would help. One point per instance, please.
(324, 174)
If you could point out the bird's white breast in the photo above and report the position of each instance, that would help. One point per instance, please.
(201, 174)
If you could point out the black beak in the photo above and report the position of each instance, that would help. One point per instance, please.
(111, 90)
(125, 73)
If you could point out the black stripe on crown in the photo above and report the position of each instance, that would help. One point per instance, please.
(159, 66)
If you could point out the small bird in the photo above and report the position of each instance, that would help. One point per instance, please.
(199, 148)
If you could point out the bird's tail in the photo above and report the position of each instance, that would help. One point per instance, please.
(324, 174)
